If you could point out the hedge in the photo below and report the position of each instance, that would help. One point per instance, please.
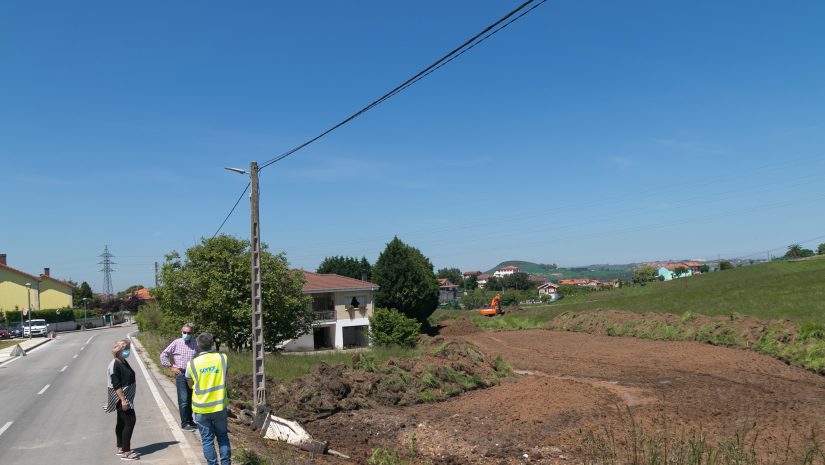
(12, 317)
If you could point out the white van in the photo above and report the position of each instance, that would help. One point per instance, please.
(37, 328)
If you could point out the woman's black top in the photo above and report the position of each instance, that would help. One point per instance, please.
(122, 375)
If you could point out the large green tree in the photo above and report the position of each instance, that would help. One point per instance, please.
(346, 266)
(797, 251)
(81, 292)
(643, 274)
(407, 282)
(820, 250)
(452, 274)
(210, 286)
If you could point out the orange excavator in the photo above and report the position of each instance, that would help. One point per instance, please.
(494, 308)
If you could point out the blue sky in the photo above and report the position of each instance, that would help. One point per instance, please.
(587, 132)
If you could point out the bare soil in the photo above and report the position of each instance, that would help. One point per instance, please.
(570, 384)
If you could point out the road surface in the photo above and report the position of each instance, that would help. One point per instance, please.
(51, 407)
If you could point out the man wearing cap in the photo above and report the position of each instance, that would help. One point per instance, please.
(179, 353)
(206, 374)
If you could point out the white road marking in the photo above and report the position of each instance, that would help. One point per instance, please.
(75, 355)
(44, 389)
(64, 368)
(183, 443)
(81, 349)
(90, 339)
(5, 427)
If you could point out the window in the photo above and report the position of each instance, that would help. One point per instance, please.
(358, 301)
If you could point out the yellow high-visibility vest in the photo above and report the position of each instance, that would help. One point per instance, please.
(208, 372)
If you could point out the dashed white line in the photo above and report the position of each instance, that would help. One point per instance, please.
(75, 356)
(81, 349)
(44, 389)
(90, 339)
(64, 368)
(5, 427)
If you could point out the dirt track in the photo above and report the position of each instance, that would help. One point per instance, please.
(573, 383)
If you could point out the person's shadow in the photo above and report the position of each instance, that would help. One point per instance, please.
(149, 448)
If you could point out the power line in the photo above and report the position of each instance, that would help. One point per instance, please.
(455, 53)
(468, 45)
(232, 210)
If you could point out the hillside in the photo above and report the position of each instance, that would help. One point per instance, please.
(793, 290)
(600, 272)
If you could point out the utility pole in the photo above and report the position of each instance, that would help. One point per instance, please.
(258, 386)
(156, 274)
(258, 380)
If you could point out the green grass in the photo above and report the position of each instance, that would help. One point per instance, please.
(283, 367)
(792, 290)
(9, 343)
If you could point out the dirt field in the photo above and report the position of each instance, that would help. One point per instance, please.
(569, 384)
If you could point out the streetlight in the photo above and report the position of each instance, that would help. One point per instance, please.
(85, 310)
(258, 378)
(29, 296)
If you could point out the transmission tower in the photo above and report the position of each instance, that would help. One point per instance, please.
(107, 272)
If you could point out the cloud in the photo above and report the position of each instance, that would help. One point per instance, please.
(689, 147)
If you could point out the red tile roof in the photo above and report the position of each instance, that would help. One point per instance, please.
(509, 267)
(314, 283)
(143, 294)
(549, 285)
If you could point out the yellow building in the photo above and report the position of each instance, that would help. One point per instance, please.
(44, 291)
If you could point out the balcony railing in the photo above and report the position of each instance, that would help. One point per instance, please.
(324, 315)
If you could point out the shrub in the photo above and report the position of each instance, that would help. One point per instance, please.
(390, 327)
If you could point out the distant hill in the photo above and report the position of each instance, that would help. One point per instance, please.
(600, 272)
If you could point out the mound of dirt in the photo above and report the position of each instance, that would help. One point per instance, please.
(445, 368)
(452, 328)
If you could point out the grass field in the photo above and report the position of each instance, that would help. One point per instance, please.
(792, 290)
(282, 367)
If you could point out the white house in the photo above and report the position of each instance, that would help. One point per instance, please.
(342, 308)
(505, 271)
(549, 289)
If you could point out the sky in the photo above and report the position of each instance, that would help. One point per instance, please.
(586, 132)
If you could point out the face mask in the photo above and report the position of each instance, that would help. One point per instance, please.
(125, 353)
(186, 337)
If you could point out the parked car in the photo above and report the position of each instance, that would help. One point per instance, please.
(16, 331)
(4, 332)
(36, 328)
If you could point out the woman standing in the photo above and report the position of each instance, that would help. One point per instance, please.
(122, 398)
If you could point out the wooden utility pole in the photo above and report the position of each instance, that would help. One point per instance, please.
(258, 387)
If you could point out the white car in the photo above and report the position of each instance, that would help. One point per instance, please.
(37, 328)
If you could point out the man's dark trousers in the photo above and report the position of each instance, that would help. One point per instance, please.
(184, 401)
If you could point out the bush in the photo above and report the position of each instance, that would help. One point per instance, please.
(150, 318)
(389, 327)
(51, 316)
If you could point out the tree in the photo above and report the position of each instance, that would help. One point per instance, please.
(210, 286)
(644, 274)
(406, 281)
(347, 266)
(471, 283)
(81, 292)
(519, 281)
(452, 274)
(820, 250)
(704, 268)
(725, 265)
(680, 270)
(796, 251)
(389, 327)
(493, 284)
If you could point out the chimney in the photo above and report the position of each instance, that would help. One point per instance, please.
(3, 259)
(46, 271)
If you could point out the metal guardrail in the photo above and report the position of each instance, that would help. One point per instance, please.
(325, 315)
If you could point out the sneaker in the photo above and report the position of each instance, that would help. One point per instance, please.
(188, 428)
(131, 455)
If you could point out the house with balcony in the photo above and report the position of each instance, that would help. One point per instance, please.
(505, 271)
(447, 291)
(549, 289)
(342, 307)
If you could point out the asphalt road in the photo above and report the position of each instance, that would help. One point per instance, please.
(51, 407)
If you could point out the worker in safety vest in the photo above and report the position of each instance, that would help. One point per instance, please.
(206, 374)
